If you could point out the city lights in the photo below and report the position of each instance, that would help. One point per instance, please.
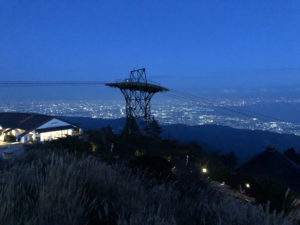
(166, 112)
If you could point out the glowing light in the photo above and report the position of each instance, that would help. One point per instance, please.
(173, 169)
(247, 185)
(204, 170)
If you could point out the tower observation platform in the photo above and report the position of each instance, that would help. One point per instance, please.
(138, 93)
(137, 86)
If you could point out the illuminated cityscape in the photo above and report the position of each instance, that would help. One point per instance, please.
(167, 111)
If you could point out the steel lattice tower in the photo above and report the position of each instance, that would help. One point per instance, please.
(138, 93)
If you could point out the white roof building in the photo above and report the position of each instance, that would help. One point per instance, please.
(28, 127)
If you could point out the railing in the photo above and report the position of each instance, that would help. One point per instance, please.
(130, 80)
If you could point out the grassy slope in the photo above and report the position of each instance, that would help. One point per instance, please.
(50, 188)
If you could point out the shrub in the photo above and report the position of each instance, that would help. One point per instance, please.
(156, 167)
(9, 138)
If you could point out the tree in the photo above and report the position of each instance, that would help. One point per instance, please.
(230, 160)
(10, 138)
(155, 166)
(154, 130)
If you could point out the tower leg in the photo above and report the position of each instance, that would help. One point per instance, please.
(138, 105)
(130, 128)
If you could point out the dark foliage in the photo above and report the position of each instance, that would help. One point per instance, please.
(61, 188)
(159, 156)
(154, 130)
(266, 189)
(156, 167)
(9, 138)
(71, 143)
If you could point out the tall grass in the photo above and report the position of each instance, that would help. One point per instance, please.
(63, 189)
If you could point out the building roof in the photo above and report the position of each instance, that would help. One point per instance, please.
(273, 164)
(54, 129)
(24, 121)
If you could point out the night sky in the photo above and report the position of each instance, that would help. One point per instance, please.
(187, 45)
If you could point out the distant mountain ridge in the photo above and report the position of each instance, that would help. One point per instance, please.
(245, 143)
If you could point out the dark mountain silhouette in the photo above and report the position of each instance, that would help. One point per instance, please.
(245, 143)
(96, 124)
(273, 164)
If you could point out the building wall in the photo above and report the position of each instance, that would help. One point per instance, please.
(53, 135)
(25, 138)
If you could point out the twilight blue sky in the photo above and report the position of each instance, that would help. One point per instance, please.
(187, 45)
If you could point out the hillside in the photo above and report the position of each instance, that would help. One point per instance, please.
(245, 143)
(61, 188)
